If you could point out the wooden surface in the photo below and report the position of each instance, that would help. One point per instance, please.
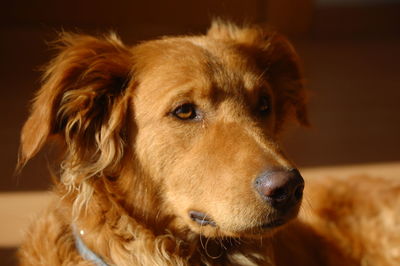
(382, 170)
(17, 210)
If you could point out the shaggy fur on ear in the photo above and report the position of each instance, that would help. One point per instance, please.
(83, 100)
(279, 60)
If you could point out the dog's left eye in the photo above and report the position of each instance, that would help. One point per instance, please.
(186, 111)
(264, 106)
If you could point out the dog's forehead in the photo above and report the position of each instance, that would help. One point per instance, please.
(203, 62)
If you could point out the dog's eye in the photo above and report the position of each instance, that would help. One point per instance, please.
(186, 111)
(264, 106)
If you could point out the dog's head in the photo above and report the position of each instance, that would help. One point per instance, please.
(200, 116)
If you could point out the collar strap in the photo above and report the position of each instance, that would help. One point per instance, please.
(84, 251)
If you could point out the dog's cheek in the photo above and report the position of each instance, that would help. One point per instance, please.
(158, 148)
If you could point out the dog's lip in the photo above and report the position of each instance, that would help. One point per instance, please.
(281, 219)
(273, 224)
(201, 218)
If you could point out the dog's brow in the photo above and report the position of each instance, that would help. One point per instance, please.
(219, 68)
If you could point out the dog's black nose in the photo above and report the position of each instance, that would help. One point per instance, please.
(280, 188)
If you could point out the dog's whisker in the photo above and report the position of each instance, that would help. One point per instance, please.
(208, 253)
(221, 242)
(307, 210)
(237, 241)
(201, 237)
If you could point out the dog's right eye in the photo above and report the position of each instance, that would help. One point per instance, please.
(185, 111)
(264, 106)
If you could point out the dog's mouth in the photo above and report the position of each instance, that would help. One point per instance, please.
(201, 218)
(280, 220)
(265, 227)
(273, 224)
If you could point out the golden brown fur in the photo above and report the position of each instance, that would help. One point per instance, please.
(131, 171)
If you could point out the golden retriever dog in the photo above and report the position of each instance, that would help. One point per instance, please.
(170, 155)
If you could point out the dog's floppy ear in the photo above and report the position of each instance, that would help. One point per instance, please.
(82, 100)
(284, 73)
(278, 60)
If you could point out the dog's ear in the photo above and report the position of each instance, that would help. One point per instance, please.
(83, 100)
(285, 75)
(278, 60)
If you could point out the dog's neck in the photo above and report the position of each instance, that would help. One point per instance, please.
(119, 224)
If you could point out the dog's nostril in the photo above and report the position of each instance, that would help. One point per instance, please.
(298, 193)
(279, 194)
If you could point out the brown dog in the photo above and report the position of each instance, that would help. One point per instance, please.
(171, 157)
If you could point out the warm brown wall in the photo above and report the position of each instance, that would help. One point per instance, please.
(25, 26)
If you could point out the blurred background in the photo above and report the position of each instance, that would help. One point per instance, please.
(350, 51)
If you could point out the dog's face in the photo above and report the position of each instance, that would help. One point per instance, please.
(206, 113)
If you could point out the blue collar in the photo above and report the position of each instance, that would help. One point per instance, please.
(84, 251)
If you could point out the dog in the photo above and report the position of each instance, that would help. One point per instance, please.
(170, 155)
